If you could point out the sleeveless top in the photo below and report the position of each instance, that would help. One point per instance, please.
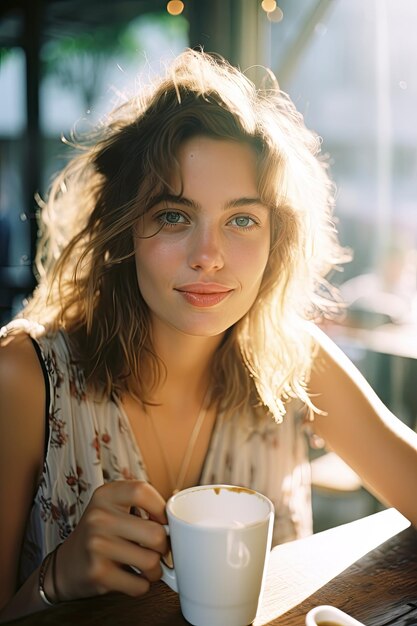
(90, 442)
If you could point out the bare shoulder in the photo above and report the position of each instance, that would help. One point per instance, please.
(22, 395)
(324, 345)
(337, 387)
(330, 361)
(345, 399)
(17, 358)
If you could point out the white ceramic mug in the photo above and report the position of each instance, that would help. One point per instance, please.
(220, 541)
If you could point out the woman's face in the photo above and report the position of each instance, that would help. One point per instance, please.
(201, 271)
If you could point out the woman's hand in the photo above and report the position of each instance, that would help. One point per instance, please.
(93, 560)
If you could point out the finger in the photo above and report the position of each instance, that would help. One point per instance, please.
(130, 554)
(127, 493)
(131, 584)
(149, 534)
(110, 577)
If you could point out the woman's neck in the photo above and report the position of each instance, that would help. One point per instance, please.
(187, 360)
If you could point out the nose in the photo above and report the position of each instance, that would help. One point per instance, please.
(206, 249)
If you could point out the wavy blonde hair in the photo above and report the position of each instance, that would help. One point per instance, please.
(87, 277)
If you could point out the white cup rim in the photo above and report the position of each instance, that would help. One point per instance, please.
(330, 613)
(208, 528)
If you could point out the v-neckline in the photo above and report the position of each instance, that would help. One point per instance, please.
(218, 420)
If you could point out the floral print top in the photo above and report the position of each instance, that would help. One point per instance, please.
(90, 442)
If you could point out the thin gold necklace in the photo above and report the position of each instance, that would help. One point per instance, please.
(176, 485)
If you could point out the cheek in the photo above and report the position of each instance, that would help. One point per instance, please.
(253, 259)
(153, 256)
(144, 260)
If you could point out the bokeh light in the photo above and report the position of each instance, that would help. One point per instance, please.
(276, 15)
(175, 7)
(269, 5)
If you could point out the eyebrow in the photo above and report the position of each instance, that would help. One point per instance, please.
(186, 202)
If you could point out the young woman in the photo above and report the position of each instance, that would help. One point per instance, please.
(172, 341)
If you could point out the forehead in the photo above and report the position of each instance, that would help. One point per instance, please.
(203, 159)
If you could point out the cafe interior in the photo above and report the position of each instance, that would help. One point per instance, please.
(350, 69)
(349, 66)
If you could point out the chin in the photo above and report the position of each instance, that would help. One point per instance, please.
(199, 332)
(204, 330)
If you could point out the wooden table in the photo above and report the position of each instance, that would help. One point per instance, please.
(367, 568)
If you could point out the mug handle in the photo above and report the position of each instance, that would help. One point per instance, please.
(168, 573)
(169, 577)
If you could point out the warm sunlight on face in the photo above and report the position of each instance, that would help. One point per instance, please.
(201, 271)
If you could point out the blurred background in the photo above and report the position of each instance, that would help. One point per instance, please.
(349, 66)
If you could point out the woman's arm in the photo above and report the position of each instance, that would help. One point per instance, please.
(361, 429)
(92, 559)
(22, 432)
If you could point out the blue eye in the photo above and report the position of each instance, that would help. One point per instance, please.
(243, 221)
(171, 218)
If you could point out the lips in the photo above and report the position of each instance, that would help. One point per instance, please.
(204, 294)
